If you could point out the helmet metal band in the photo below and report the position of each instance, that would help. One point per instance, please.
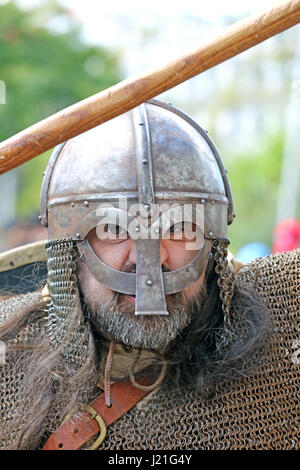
(149, 284)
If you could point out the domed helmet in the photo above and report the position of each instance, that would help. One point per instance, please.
(146, 170)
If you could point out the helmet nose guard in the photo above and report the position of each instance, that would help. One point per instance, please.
(152, 154)
(149, 284)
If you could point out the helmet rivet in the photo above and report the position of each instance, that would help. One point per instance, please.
(78, 235)
(147, 207)
(145, 161)
(137, 229)
(156, 230)
(149, 282)
(86, 203)
(210, 234)
(72, 204)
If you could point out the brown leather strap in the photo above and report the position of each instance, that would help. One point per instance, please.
(81, 427)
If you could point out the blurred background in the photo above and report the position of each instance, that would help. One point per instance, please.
(54, 53)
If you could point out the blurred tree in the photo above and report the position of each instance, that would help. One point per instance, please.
(254, 179)
(45, 66)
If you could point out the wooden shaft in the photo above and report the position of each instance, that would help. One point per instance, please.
(130, 93)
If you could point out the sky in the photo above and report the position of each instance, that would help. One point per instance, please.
(104, 21)
(147, 34)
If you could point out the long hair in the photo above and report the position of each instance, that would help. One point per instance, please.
(211, 350)
(51, 386)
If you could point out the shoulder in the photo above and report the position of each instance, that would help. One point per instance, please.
(279, 273)
(277, 279)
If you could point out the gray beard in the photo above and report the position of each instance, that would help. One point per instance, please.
(117, 320)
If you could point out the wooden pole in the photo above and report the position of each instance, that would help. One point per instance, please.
(130, 93)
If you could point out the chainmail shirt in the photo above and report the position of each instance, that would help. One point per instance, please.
(256, 412)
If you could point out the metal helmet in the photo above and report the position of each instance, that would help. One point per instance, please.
(153, 156)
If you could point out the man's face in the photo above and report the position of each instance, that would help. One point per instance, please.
(113, 314)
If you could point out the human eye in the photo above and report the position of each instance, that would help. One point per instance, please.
(115, 232)
(181, 231)
(175, 231)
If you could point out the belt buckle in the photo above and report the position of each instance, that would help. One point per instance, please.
(102, 427)
(98, 418)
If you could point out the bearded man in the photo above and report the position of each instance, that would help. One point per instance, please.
(145, 332)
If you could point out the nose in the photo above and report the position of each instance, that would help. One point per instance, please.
(163, 253)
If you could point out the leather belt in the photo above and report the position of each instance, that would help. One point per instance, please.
(75, 431)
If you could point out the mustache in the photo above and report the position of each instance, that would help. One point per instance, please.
(116, 319)
(132, 269)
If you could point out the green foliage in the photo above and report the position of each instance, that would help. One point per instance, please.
(44, 72)
(254, 180)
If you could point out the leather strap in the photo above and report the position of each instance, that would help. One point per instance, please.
(81, 427)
